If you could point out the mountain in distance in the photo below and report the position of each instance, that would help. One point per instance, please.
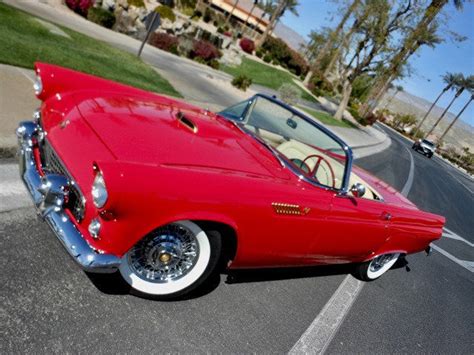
(291, 37)
(461, 134)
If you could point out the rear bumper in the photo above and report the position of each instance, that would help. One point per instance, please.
(48, 193)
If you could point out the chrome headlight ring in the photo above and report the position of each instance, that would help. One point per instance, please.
(99, 191)
(38, 86)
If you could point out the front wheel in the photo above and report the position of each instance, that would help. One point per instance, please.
(171, 261)
(373, 269)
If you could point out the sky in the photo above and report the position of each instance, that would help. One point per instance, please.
(429, 64)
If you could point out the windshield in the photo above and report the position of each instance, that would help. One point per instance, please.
(305, 148)
(428, 143)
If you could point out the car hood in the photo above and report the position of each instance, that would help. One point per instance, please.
(149, 131)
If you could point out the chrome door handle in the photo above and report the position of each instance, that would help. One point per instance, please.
(386, 216)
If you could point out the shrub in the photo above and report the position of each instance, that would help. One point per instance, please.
(137, 3)
(166, 13)
(165, 42)
(320, 86)
(285, 56)
(200, 60)
(205, 50)
(207, 16)
(289, 93)
(259, 53)
(80, 7)
(247, 45)
(220, 30)
(267, 58)
(214, 63)
(101, 17)
(197, 14)
(242, 82)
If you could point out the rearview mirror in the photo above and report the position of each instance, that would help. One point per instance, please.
(358, 190)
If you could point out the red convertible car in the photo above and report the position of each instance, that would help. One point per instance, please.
(163, 191)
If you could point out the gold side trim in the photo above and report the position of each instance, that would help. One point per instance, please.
(289, 209)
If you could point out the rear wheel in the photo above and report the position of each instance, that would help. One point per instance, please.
(171, 261)
(373, 269)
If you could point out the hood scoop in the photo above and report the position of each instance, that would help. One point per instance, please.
(186, 122)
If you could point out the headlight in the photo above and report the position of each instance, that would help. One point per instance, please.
(99, 191)
(38, 85)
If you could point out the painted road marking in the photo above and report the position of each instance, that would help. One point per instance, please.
(450, 234)
(469, 265)
(318, 336)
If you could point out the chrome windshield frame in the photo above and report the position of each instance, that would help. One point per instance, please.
(344, 190)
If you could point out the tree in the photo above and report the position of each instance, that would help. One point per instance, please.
(281, 7)
(449, 79)
(470, 86)
(424, 33)
(373, 46)
(255, 2)
(460, 85)
(231, 11)
(334, 35)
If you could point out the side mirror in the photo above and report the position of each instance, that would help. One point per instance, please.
(358, 190)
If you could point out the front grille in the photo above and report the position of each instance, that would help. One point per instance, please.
(53, 165)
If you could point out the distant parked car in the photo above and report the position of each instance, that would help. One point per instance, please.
(163, 192)
(425, 146)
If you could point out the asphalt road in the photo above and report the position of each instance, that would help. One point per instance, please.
(48, 305)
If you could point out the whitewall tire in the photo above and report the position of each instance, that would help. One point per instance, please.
(171, 261)
(373, 269)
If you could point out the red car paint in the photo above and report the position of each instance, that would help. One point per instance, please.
(159, 170)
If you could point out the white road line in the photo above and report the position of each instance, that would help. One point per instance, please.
(318, 336)
(406, 189)
(468, 265)
(450, 234)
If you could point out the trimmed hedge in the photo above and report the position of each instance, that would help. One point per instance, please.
(166, 13)
(165, 42)
(101, 17)
(247, 45)
(80, 7)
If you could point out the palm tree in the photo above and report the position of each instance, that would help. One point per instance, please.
(459, 86)
(449, 79)
(281, 7)
(424, 33)
(470, 84)
(334, 35)
(255, 2)
(231, 12)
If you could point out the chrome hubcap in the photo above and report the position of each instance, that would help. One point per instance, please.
(380, 261)
(166, 255)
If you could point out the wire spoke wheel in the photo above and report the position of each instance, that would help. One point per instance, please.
(170, 261)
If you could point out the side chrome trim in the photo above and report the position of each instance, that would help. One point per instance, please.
(48, 193)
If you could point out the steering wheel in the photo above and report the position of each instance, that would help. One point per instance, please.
(316, 167)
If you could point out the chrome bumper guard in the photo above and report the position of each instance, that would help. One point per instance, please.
(49, 193)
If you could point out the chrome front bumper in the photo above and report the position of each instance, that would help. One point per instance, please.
(49, 193)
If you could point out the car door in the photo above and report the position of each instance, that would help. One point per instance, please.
(354, 228)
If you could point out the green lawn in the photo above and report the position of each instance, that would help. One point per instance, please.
(23, 41)
(326, 118)
(264, 75)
